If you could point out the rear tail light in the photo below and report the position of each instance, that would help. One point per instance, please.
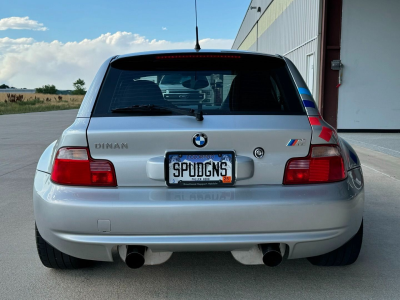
(323, 164)
(74, 166)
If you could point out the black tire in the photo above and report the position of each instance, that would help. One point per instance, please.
(343, 256)
(55, 259)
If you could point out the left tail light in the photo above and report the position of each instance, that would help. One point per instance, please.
(74, 166)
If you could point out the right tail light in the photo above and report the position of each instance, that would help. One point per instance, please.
(323, 164)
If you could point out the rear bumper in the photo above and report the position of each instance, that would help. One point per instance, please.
(310, 220)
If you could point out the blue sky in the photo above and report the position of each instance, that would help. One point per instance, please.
(65, 40)
(78, 20)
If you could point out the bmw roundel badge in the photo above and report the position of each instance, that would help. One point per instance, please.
(200, 140)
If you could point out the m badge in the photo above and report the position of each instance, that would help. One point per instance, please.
(294, 142)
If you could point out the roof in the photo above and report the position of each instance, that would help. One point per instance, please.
(190, 51)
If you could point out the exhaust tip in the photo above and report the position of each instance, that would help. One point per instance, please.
(272, 259)
(135, 257)
(272, 256)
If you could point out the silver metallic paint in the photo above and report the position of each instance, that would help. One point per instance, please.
(224, 219)
(73, 136)
(221, 219)
(85, 111)
(45, 160)
(317, 129)
(190, 51)
(300, 83)
(150, 137)
(352, 161)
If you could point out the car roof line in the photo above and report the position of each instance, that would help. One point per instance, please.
(190, 51)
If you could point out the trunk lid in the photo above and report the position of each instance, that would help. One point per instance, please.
(254, 103)
(136, 145)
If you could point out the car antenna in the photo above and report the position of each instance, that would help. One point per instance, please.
(197, 46)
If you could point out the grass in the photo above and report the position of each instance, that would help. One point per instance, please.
(37, 102)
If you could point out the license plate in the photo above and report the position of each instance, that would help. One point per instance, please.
(198, 169)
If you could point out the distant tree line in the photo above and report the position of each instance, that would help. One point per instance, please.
(4, 86)
(47, 89)
(79, 88)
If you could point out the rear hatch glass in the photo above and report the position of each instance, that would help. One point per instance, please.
(215, 84)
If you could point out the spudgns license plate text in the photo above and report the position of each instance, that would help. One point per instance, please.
(200, 169)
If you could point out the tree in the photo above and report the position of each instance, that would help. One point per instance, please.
(47, 89)
(3, 86)
(79, 86)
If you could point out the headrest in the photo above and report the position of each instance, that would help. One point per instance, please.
(142, 92)
(252, 92)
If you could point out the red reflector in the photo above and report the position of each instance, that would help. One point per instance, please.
(323, 164)
(198, 56)
(74, 166)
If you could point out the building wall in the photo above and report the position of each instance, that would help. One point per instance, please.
(369, 97)
(249, 20)
(287, 27)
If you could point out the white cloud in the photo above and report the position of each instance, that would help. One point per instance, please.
(19, 41)
(8, 45)
(164, 28)
(30, 64)
(21, 23)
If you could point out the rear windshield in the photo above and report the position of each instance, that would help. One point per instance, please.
(216, 84)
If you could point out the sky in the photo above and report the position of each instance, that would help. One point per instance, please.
(56, 42)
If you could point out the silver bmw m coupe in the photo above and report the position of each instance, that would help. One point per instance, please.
(241, 161)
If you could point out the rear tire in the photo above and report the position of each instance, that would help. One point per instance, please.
(55, 259)
(343, 256)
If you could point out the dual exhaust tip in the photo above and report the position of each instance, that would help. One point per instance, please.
(271, 255)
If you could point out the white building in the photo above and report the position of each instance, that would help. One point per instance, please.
(363, 34)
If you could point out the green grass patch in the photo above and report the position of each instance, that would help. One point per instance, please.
(27, 103)
(35, 105)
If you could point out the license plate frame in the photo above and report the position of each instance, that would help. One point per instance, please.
(198, 184)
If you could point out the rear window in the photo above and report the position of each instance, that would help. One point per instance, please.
(216, 84)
